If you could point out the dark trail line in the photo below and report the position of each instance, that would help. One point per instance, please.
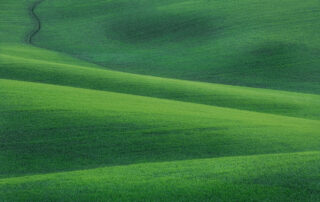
(36, 19)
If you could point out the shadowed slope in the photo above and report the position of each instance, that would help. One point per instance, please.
(15, 21)
(38, 65)
(268, 43)
(48, 128)
(276, 177)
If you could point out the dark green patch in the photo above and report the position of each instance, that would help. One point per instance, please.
(149, 27)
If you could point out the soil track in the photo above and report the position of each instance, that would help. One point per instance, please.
(36, 19)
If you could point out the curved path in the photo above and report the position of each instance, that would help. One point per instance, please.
(36, 19)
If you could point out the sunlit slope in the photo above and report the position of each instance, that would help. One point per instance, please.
(48, 128)
(39, 65)
(258, 43)
(73, 130)
(276, 177)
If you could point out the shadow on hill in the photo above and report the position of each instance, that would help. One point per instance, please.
(270, 63)
(152, 26)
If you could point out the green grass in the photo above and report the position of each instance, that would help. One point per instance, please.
(257, 43)
(50, 128)
(276, 177)
(101, 106)
(15, 23)
(38, 65)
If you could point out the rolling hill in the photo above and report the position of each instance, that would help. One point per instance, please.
(256, 43)
(275, 177)
(174, 100)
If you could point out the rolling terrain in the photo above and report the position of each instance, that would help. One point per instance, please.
(168, 100)
(256, 43)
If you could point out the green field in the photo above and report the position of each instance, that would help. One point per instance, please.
(171, 100)
(257, 43)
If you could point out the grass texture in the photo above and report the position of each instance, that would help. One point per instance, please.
(173, 100)
(256, 43)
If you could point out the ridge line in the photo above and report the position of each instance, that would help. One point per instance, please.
(30, 175)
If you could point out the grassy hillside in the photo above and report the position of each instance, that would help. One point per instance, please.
(276, 177)
(15, 22)
(257, 43)
(38, 65)
(86, 116)
(50, 128)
